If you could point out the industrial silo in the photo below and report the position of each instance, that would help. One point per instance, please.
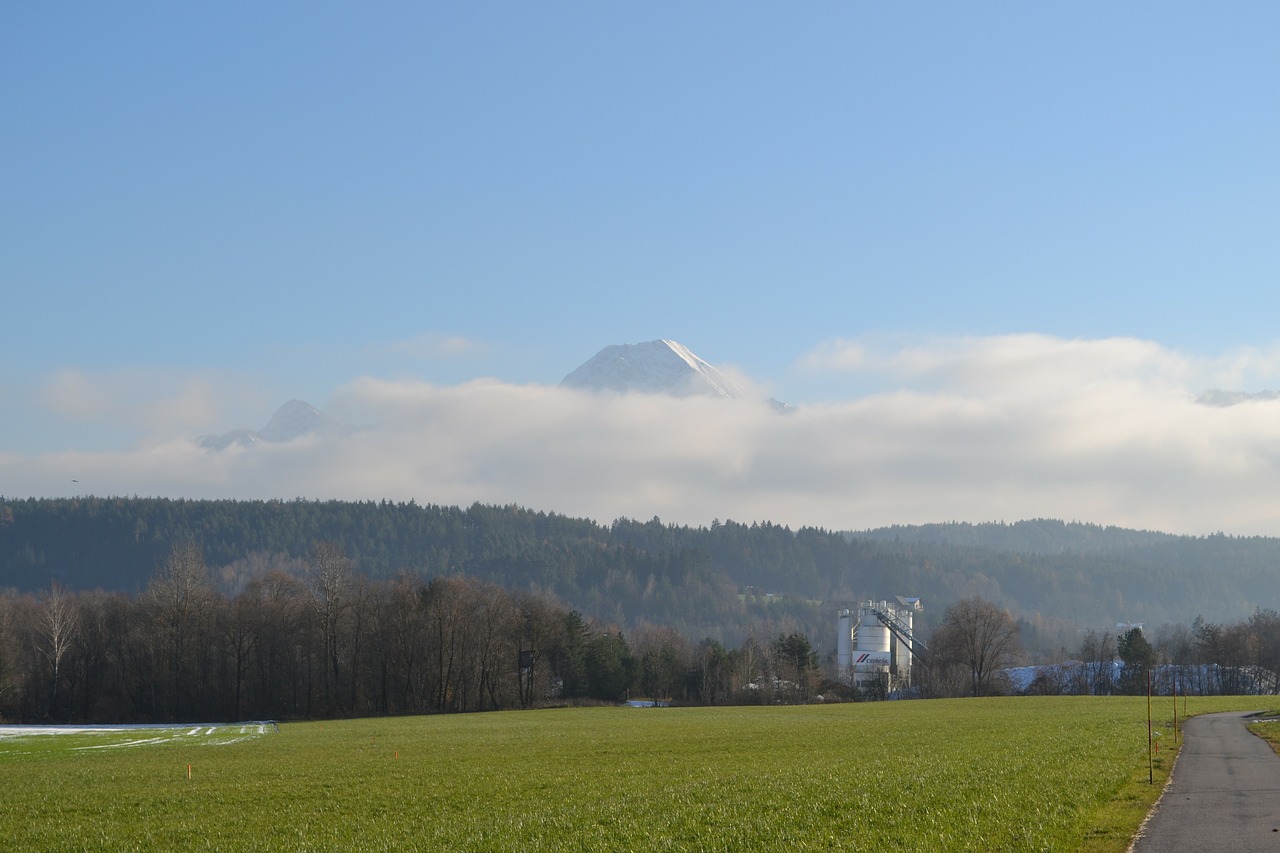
(873, 634)
(874, 644)
(844, 642)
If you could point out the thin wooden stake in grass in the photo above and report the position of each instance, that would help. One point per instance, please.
(1176, 738)
(188, 772)
(1151, 763)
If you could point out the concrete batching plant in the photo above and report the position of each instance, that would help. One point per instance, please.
(874, 644)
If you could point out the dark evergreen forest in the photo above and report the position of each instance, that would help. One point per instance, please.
(708, 581)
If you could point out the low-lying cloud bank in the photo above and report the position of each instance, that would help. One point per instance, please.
(978, 429)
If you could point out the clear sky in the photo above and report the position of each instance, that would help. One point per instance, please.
(993, 251)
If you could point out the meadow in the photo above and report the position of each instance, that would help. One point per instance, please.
(1025, 773)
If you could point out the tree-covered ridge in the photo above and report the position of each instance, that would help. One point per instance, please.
(1093, 574)
(628, 572)
(115, 543)
(721, 580)
(1031, 536)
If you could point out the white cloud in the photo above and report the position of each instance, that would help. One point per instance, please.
(974, 429)
(1009, 364)
(154, 403)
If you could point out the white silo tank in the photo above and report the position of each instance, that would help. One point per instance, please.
(873, 635)
(844, 639)
(903, 659)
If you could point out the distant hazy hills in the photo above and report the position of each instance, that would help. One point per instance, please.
(1034, 536)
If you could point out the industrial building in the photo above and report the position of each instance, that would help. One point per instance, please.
(875, 644)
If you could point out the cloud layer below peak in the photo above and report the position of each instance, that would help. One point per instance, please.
(974, 429)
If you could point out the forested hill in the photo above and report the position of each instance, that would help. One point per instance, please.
(716, 581)
(1116, 573)
(1034, 536)
(705, 581)
(1254, 560)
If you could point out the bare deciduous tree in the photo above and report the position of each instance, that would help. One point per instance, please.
(1098, 654)
(180, 598)
(980, 637)
(542, 631)
(664, 660)
(332, 584)
(238, 630)
(56, 628)
(9, 655)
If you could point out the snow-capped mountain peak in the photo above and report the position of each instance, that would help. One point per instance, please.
(655, 367)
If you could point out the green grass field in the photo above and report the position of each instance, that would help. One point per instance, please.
(1056, 773)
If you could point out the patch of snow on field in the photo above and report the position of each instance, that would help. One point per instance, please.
(124, 743)
(205, 735)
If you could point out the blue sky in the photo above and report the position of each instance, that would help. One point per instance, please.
(213, 209)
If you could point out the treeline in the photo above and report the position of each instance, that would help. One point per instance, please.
(316, 638)
(714, 581)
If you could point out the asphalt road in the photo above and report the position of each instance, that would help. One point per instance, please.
(1224, 795)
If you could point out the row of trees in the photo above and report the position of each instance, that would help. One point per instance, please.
(317, 638)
